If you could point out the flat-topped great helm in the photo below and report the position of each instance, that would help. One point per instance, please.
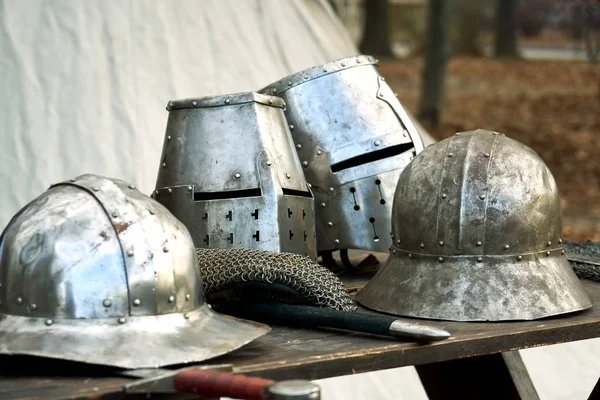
(477, 237)
(229, 172)
(353, 138)
(94, 271)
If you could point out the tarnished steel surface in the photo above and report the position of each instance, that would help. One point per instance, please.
(477, 236)
(95, 271)
(353, 139)
(229, 172)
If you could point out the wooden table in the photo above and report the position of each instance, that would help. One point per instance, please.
(478, 361)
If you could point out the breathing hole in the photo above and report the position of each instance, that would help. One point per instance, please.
(371, 220)
(376, 238)
(352, 190)
(377, 182)
(356, 208)
(382, 201)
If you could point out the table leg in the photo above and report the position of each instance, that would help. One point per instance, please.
(495, 376)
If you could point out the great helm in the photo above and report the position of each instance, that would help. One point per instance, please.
(353, 138)
(229, 172)
(477, 227)
(94, 271)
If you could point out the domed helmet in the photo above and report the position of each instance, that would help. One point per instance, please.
(94, 271)
(229, 172)
(477, 227)
(353, 139)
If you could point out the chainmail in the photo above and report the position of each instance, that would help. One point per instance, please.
(582, 251)
(222, 269)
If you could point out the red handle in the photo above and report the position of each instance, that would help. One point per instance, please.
(220, 384)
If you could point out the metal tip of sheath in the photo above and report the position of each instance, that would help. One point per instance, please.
(403, 329)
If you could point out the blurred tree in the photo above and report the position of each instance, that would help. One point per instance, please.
(434, 70)
(468, 20)
(376, 32)
(505, 44)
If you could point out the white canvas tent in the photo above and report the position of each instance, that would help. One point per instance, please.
(84, 85)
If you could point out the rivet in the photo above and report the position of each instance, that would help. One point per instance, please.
(559, 241)
(441, 259)
(319, 152)
(412, 158)
(457, 134)
(305, 163)
(189, 188)
(395, 94)
(441, 243)
(358, 60)
(393, 251)
(549, 243)
(151, 212)
(323, 205)
(324, 69)
(169, 190)
(479, 244)
(409, 255)
(337, 241)
(274, 90)
(309, 185)
(131, 187)
(291, 127)
(130, 253)
(486, 155)
(170, 104)
(171, 299)
(450, 154)
(107, 303)
(237, 175)
(343, 65)
(298, 146)
(519, 258)
(186, 316)
(305, 76)
(506, 247)
(269, 163)
(422, 245)
(380, 94)
(289, 83)
(479, 259)
(72, 180)
(494, 133)
(382, 78)
(169, 137)
(121, 320)
(33, 306)
(137, 302)
(562, 252)
(331, 189)
(187, 297)
(165, 249)
(330, 223)
(377, 143)
(482, 196)
(95, 188)
(227, 101)
(288, 176)
(164, 165)
(270, 101)
(370, 59)
(48, 322)
(547, 253)
(399, 241)
(19, 300)
(115, 215)
(194, 103)
(444, 195)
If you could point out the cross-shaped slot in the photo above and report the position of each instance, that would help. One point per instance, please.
(229, 215)
(230, 238)
(291, 234)
(205, 218)
(206, 241)
(255, 213)
(257, 236)
(290, 213)
(303, 214)
(305, 236)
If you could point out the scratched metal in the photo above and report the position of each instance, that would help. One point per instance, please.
(477, 227)
(94, 271)
(229, 172)
(337, 112)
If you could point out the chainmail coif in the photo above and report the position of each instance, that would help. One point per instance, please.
(223, 268)
(584, 250)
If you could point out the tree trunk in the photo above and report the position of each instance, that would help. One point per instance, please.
(376, 32)
(434, 70)
(506, 29)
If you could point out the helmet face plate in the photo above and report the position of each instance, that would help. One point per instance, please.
(353, 139)
(93, 264)
(477, 236)
(230, 173)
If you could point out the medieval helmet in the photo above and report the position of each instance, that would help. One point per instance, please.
(477, 237)
(229, 172)
(353, 138)
(94, 271)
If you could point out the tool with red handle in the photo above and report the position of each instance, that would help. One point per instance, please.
(212, 381)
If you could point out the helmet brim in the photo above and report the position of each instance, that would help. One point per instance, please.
(139, 342)
(498, 288)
